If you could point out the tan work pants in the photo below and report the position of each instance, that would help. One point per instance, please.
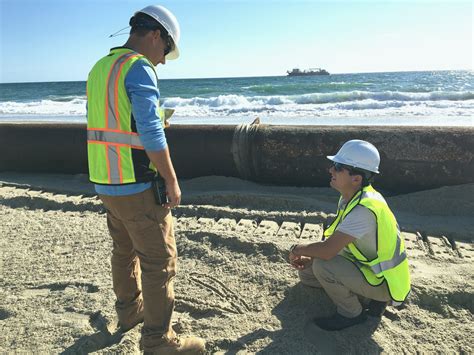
(344, 283)
(143, 263)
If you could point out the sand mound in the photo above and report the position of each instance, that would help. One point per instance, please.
(233, 288)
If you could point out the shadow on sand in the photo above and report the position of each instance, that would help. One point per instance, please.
(105, 337)
(298, 334)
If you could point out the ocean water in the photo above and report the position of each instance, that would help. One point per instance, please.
(430, 98)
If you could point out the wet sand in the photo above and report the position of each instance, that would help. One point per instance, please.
(234, 287)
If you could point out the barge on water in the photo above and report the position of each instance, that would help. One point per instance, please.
(308, 72)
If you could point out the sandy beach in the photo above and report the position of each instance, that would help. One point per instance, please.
(234, 287)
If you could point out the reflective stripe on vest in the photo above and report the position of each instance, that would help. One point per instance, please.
(113, 164)
(390, 264)
(109, 137)
(111, 101)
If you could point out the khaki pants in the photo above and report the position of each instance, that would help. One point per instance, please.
(344, 283)
(143, 263)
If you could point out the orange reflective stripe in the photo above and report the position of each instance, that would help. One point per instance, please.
(117, 112)
(111, 103)
(112, 130)
(116, 88)
(117, 144)
(107, 100)
(114, 137)
(119, 164)
(114, 163)
(108, 163)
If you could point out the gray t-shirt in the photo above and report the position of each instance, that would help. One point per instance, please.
(360, 223)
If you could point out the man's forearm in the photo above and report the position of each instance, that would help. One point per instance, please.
(313, 250)
(162, 161)
(325, 250)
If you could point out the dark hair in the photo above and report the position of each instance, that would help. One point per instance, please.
(142, 24)
(367, 176)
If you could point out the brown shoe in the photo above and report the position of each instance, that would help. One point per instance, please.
(191, 345)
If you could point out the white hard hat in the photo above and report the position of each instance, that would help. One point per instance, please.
(165, 18)
(358, 154)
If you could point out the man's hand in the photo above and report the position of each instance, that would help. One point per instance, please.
(168, 112)
(173, 192)
(299, 262)
(324, 250)
(162, 161)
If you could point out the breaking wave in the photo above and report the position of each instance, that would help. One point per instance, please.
(336, 104)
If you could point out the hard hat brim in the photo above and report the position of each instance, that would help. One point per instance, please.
(334, 159)
(174, 54)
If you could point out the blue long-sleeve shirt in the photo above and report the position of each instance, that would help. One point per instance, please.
(142, 89)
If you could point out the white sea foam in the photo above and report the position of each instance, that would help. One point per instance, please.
(341, 104)
(349, 104)
(74, 107)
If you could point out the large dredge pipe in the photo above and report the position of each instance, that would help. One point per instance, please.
(413, 158)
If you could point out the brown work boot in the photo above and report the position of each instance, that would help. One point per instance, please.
(177, 345)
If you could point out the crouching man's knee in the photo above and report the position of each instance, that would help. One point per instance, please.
(307, 277)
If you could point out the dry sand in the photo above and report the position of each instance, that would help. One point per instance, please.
(234, 287)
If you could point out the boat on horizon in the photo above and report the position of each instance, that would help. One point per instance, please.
(309, 72)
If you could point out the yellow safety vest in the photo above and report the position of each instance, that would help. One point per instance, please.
(391, 264)
(116, 154)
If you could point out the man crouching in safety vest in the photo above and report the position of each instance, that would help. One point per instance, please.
(362, 254)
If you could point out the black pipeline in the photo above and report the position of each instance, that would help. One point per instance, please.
(413, 158)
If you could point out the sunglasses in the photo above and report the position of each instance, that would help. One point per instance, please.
(340, 167)
(169, 44)
(352, 171)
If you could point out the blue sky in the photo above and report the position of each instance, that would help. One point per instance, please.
(60, 40)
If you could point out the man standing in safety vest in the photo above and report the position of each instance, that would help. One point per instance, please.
(126, 148)
(362, 256)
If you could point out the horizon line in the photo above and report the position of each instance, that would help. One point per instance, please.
(261, 76)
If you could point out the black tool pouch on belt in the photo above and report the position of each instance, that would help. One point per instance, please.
(159, 190)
